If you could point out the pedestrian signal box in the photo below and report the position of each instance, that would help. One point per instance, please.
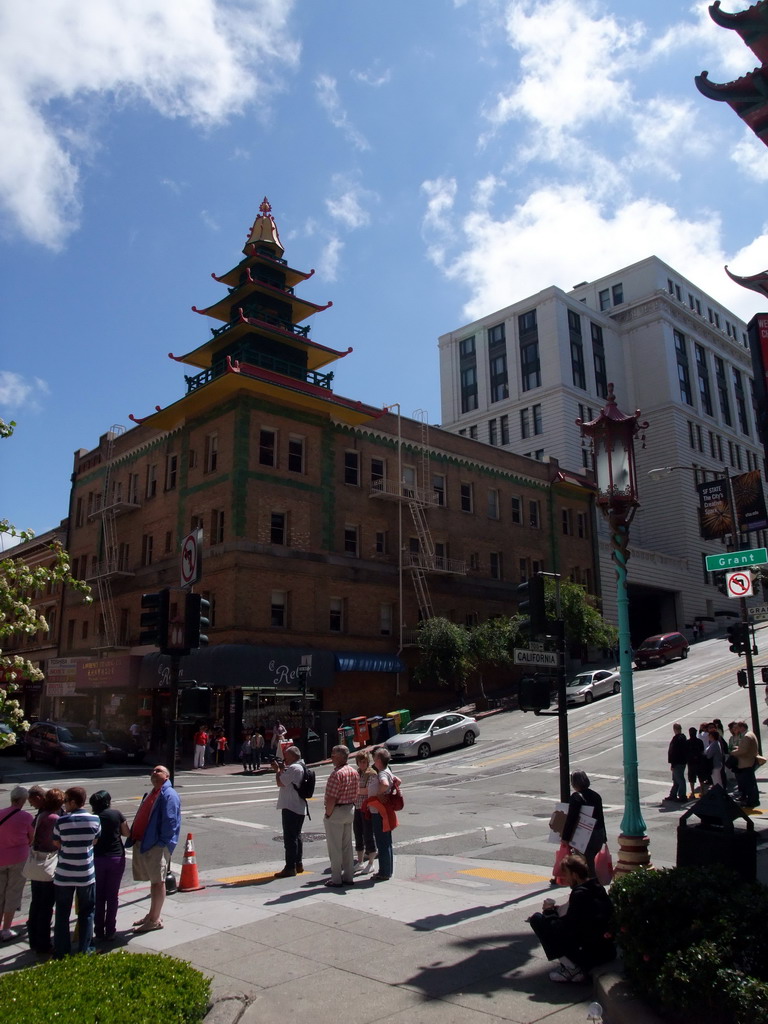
(533, 694)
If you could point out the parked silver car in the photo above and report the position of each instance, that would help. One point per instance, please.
(584, 687)
(428, 733)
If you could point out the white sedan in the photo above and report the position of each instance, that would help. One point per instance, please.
(587, 685)
(429, 733)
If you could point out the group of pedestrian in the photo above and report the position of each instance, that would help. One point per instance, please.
(75, 855)
(360, 814)
(211, 746)
(706, 758)
(252, 751)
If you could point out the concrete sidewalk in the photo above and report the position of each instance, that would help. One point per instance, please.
(445, 939)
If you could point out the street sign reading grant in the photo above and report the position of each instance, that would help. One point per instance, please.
(545, 659)
(737, 559)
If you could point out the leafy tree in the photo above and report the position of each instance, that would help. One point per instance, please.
(18, 584)
(584, 625)
(446, 656)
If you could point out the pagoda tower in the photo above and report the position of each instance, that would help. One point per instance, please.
(263, 345)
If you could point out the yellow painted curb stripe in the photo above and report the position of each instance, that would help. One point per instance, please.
(516, 877)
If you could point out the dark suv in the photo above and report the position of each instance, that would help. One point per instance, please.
(660, 649)
(63, 743)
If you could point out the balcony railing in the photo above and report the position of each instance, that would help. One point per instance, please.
(434, 563)
(404, 492)
(110, 568)
(116, 508)
(281, 366)
(258, 313)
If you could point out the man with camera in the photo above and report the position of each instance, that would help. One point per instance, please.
(288, 776)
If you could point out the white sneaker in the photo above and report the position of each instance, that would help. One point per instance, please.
(7, 934)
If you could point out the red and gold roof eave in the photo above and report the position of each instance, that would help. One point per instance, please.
(292, 276)
(275, 386)
(317, 355)
(300, 308)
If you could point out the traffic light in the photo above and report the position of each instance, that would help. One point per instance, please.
(154, 621)
(533, 693)
(764, 673)
(741, 677)
(175, 642)
(196, 621)
(530, 602)
(738, 636)
(195, 701)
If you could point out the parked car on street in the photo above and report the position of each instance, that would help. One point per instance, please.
(586, 686)
(122, 748)
(661, 649)
(429, 733)
(63, 743)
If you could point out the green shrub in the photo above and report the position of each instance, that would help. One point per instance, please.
(694, 941)
(140, 988)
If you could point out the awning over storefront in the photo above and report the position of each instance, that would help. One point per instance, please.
(365, 661)
(244, 665)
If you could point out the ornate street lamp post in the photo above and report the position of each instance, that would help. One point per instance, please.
(613, 444)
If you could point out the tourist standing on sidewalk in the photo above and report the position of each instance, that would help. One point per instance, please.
(257, 749)
(746, 756)
(340, 796)
(279, 732)
(108, 862)
(201, 742)
(365, 844)
(379, 787)
(293, 808)
(153, 838)
(677, 755)
(696, 760)
(16, 831)
(40, 913)
(74, 834)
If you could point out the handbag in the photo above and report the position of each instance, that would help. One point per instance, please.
(604, 866)
(557, 821)
(731, 762)
(40, 866)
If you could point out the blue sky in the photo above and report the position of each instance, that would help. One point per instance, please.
(433, 160)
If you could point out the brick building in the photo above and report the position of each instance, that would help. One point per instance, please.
(330, 528)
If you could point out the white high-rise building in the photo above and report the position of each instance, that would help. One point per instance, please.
(521, 376)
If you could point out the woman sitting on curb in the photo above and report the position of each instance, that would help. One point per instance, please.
(579, 931)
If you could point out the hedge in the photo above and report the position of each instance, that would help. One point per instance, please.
(695, 942)
(115, 988)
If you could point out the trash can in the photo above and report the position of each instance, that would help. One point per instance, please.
(715, 840)
(395, 716)
(360, 729)
(405, 717)
(386, 729)
(374, 727)
(347, 736)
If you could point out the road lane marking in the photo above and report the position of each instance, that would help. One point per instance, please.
(234, 821)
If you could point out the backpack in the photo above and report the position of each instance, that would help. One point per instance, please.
(306, 788)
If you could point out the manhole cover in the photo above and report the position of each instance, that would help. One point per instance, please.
(307, 837)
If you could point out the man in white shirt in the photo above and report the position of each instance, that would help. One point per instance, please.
(288, 776)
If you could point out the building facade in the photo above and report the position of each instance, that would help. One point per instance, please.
(330, 528)
(520, 377)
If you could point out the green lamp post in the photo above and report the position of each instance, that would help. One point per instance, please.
(612, 435)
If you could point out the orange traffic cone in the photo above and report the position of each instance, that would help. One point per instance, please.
(190, 880)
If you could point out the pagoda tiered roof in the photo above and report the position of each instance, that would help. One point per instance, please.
(751, 25)
(260, 349)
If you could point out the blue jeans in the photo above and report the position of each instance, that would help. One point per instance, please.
(86, 903)
(384, 846)
(678, 782)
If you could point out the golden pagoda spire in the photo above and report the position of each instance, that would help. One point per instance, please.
(264, 231)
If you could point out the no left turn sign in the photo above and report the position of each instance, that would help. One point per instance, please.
(191, 558)
(739, 583)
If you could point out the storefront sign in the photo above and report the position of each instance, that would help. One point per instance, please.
(118, 673)
(59, 689)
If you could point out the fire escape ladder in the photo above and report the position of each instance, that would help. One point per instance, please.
(422, 592)
(426, 544)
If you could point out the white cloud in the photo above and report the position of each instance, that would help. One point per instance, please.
(663, 130)
(203, 60)
(572, 62)
(330, 259)
(718, 50)
(373, 77)
(751, 157)
(347, 204)
(560, 234)
(209, 220)
(329, 99)
(17, 392)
